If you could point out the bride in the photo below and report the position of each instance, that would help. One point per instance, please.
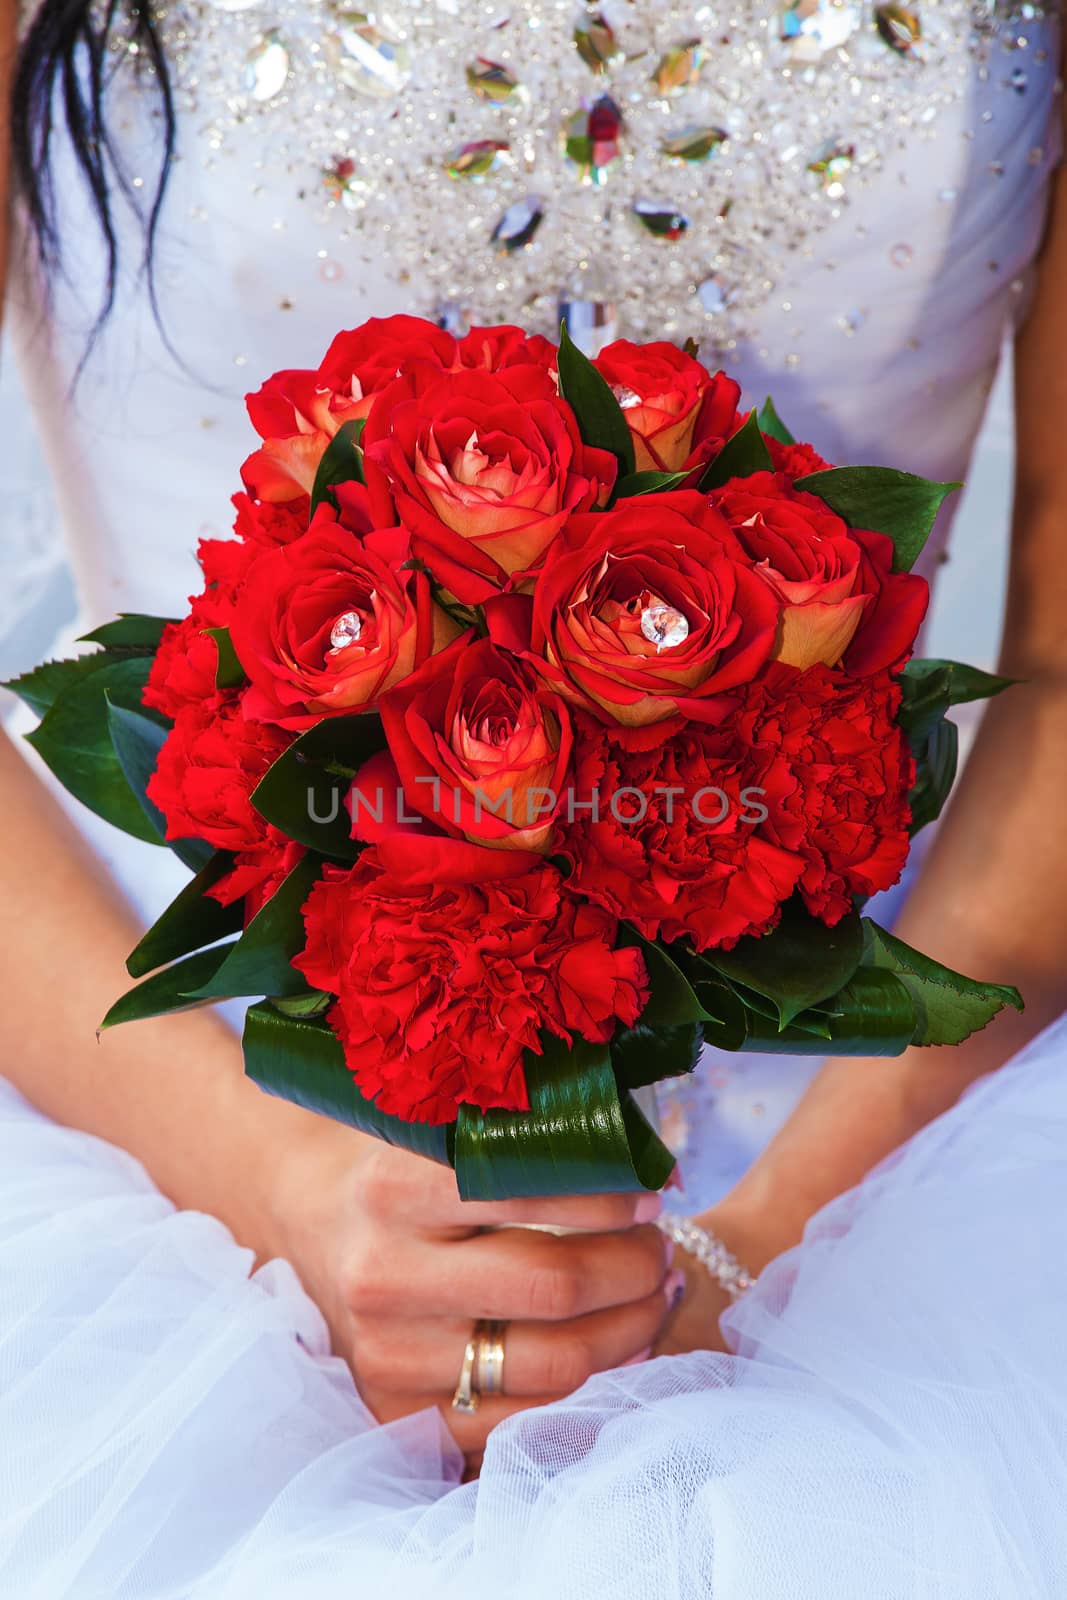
(846, 204)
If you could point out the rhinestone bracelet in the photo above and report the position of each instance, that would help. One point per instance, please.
(709, 1250)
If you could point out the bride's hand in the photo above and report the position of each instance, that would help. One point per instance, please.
(402, 1269)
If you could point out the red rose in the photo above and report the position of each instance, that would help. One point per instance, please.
(297, 412)
(841, 601)
(678, 414)
(836, 770)
(671, 842)
(448, 961)
(492, 349)
(481, 748)
(650, 610)
(484, 468)
(210, 763)
(328, 623)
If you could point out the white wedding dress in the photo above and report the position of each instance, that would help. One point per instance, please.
(844, 203)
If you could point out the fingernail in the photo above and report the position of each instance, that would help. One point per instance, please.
(674, 1288)
(648, 1208)
(642, 1355)
(675, 1180)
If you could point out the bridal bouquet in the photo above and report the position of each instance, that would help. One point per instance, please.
(544, 721)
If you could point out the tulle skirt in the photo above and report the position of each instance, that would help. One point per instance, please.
(891, 1424)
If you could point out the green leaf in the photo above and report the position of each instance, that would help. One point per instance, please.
(342, 462)
(303, 1061)
(42, 686)
(229, 674)
(936, 765)
(136, 740)
(642, 1055)
(167, 991)
(948, 1006)
(309, 1003)
(891, 502)
(601, 420)
(191, 921)
(801, 962)
(74, 740)
(639, 483)
(930, 686)
(304, 792)
(872, 1016)
(258, 963)
(672, 999)
(580, 1135)
(744, 453)
(772, 425)
(129, 631)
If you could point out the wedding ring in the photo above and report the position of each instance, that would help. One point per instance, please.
(490, 1365)
(482, 1371)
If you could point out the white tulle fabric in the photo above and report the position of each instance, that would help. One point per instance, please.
(892, 1424)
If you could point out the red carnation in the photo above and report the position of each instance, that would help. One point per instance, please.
(210, 763)
(186, 663)
(795, 460)
(836, 771)
(668, 838)
(448, 960)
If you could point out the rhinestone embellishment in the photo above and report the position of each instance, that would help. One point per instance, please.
(664, 627)
(672, 160)
(346, 630)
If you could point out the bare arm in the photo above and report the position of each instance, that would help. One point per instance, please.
(992, 899)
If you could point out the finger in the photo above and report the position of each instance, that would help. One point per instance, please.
(539, 1357)
(470, 1429)
(397, 1186)
(519, 1275)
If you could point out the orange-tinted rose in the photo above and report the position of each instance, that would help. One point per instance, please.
(679, 415)
(328, 623)
(484, 469)
(650, 610)
(840, 599)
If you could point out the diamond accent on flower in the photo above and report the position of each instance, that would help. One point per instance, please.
(346, 630)
(664, 627)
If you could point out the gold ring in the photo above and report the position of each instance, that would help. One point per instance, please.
(482, 1371)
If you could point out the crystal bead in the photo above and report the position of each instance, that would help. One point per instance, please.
(369, 54)
(831, 164)
(811, 28)
(518, 225)
(592, 138)
(477, 159)
(664, 627)
(694, 143)
(900, 29)
(339, 180)
(712, 297)
(595, 41)
(592, 324)
(267, 67)
(679, 68)
(232, 5)
(453, 318)
(346, 630)
(662, 221)
(491, 81)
